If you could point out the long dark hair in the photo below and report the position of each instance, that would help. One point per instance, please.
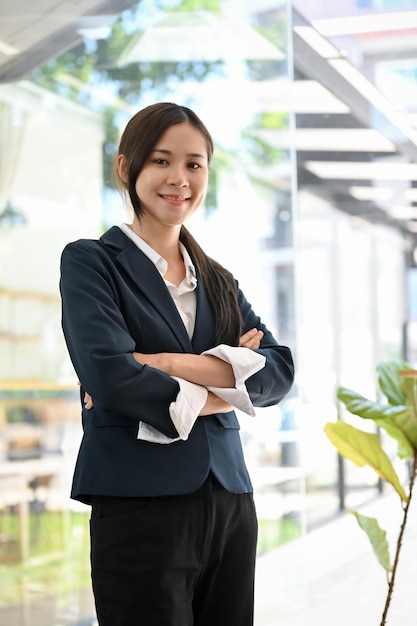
(137, 142)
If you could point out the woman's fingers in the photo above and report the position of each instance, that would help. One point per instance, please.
(251, 339)
(88, 401)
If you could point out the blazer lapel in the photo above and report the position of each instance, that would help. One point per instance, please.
(150, 282)
(204, 323)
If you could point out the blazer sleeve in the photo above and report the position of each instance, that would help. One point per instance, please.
(270, 384)
(100, 345)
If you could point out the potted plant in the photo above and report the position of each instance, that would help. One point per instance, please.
(396, 414)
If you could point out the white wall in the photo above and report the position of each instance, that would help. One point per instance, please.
(57, 186)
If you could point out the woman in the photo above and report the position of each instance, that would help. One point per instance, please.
(165, 345)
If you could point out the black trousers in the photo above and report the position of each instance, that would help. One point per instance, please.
(176, 560)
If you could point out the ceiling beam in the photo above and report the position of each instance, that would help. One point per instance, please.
(50, 44)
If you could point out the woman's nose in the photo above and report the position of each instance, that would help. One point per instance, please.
(178, 177)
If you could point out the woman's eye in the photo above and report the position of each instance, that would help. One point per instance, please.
(160, 161)
(194, 166)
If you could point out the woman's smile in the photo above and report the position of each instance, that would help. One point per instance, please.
(174, 177)
(174, 199)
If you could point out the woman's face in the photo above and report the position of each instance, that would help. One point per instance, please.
(173, 182)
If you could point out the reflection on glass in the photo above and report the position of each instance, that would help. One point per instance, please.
(313, 181)
(226, 62)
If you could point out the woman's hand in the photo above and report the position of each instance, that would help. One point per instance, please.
(252, 339)
(214, 404)
(88, 401)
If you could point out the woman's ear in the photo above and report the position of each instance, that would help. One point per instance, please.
(121, 168)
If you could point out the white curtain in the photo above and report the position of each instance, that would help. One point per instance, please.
(12, 128)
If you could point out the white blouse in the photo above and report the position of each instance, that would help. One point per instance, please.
(192, 397)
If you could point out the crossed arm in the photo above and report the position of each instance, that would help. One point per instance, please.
(205, 370)
(202, 369)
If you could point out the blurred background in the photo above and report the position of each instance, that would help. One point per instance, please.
(313, 110)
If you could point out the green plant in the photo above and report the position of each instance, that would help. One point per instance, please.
(274, 533)
(397, 416)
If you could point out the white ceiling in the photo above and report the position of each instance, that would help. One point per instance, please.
(35, 31)
(32, 32)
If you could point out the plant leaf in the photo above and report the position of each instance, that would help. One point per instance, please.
(399, 421)
(409, 386)
(378, 538)
(359, 405)
(364, 449)
(402, 428)
(390, 381)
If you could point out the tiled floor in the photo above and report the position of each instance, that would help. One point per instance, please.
(332, 578)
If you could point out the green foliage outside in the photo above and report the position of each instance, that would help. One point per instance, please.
(276, 532)
(58, 562)
(79, 74)
(59, 549)
(397, 416)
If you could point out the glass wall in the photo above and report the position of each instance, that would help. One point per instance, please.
(311, 205)
(356, 176)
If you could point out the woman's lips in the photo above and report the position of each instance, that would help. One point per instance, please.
(174, 198)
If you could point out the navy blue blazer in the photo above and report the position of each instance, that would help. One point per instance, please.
(115, 302)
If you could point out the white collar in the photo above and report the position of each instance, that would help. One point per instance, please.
(159, 262)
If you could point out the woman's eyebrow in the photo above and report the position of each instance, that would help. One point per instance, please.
(190, 154)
